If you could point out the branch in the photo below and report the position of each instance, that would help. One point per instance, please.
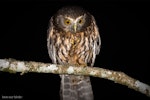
(13, 66)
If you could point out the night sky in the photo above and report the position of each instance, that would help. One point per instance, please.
(124, 29)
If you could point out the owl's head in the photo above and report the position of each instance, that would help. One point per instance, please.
(72, 19)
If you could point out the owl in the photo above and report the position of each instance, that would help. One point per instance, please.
(73, 39)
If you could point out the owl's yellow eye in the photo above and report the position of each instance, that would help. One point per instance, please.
(80, 21)
(67, 22)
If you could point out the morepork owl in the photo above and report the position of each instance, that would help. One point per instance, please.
(74, 39)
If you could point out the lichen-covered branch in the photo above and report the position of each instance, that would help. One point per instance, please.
(13, 66)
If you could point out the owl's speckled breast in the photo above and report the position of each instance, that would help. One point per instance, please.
(74, 49)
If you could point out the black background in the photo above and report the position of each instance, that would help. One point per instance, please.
(124, 28)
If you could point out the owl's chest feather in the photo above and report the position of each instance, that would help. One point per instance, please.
(74, 49)
(73, 44)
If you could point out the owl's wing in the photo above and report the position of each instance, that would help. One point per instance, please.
(97, 42)
(98, 39)
(50, 41)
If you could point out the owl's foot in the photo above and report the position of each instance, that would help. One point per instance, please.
(80, 65)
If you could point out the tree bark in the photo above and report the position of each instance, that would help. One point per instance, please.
(13, 66)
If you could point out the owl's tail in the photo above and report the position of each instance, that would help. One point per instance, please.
(76, 88)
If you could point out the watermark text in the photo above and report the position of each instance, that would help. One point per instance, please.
(11, 97)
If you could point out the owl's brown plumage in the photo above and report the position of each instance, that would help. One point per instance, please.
(74, 39)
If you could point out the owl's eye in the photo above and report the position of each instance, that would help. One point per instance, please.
(67, 22)
(80, 21)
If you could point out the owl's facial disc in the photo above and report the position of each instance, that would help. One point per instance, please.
(71, 24)
(78, 23)
(74, 25)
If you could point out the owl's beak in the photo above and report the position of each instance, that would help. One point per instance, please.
(75, 27)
